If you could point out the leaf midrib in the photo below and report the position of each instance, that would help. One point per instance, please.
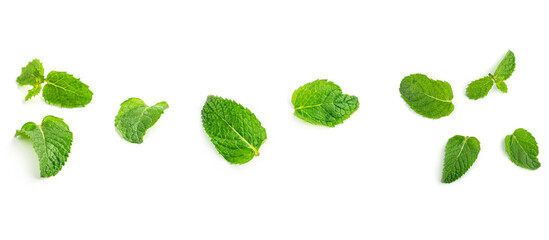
(460, 151)
(312, 106)
(43, 138)
(438, 99)
(48, 82)
(256, 152)
(518, 143)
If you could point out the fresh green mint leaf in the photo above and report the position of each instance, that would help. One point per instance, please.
(64, 90)
(522, 149)
(460, 154)
(52, 142)
(506, 67)
(427, 97)
(322, 102)
(501, 85)
(479, 88)
(135, 117)
(234, 130)
(33, 75)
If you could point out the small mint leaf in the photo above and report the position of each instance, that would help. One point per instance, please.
(479, 88)
(33, 75)
(522, 149)
(501, 85)
(135, 117)
(506, 67)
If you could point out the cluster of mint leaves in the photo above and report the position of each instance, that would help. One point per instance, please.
(461, 152)
(234, 130)
(52, 139)
(237, 134)
(433, 99)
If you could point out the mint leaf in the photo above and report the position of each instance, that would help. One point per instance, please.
(135, 117)
(64, 90)
(506, 67)
(33, 75)
(322, 102)
(460, 154)
(479, 88)
(522, 149)
(501, 85)
(52, 142)
(427, 97)
(234, 130)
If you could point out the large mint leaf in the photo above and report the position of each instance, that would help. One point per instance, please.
(135, 117)
(52, 142)
(427, 97)
(522, 149)
(460, 154)
(234, 130)
(64, 90)
(479, 88)
(506, 67)
(322, 102)
(33, 75)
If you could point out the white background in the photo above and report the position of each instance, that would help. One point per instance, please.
(377, 176)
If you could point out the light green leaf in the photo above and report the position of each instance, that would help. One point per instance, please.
(135, 117)
(501, 85)
(52, 142)
(34, 91)
(506, 66)
(522, 149)
(322, 102)
(234, 130)
(460, 154)
(64, 90)
(479, 88)
(33, 75)
(427, 97)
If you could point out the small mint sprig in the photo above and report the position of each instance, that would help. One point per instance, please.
(480, 88)
(61, 89)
